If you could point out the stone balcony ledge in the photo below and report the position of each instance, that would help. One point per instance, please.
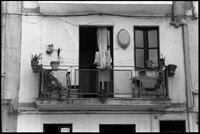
(96, 104)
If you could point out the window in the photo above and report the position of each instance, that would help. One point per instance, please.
(118, 128)
(146, 47)
(55, 128)
(172, 126)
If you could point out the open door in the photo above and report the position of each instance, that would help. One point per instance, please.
(90, 78)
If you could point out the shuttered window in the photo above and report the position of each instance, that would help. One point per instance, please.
(146, 47)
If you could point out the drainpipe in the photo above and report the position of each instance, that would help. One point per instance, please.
(177, 23)
(187, 72)
(3, 74)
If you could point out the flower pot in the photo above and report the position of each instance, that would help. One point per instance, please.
(54, 64)
(136, 92)
(171, 69)
(62, 94)
(161, 63)
(34, 65)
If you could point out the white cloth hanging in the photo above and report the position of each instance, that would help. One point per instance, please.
(102, 58)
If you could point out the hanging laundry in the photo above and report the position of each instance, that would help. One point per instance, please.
(103, 58)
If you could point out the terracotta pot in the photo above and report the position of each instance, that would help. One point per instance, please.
(54, 64)
(34, 65)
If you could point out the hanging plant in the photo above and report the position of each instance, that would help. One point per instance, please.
(35, 61)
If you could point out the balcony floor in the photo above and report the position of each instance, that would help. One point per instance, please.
(96, 104)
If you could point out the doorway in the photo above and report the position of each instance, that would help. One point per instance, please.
(172, 126)
(57, 128)
(118, 128)
(89, 81)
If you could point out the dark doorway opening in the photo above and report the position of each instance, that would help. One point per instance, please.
(55, 128)
(172, 126)
(88, 73)
(118, 128)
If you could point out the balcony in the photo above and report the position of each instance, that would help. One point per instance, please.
(125, 88)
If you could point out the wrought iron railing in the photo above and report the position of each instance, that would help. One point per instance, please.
(120, 81)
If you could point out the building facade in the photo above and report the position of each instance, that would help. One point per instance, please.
(122, 66)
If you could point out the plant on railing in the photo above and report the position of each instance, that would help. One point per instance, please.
(137, 86)
(52, 83)
(161, 62)
(102, 95)
(34, 62)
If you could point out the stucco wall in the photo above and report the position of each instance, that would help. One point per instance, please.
(37, 32)
(10, 59)
(90, 122)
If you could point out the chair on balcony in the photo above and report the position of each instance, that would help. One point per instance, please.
(148, 87)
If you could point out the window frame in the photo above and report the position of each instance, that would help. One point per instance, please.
(146, 47)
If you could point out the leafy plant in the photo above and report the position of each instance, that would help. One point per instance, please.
(35, 57)
(51, 82)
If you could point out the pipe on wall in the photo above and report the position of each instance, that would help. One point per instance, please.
(3, 74)
(187, 72)
(177, 23)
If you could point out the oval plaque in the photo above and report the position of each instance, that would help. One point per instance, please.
(123, 38)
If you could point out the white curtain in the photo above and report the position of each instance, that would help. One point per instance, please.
(103, 58)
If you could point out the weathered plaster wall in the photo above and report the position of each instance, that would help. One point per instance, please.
(90, 122)
(11, 43)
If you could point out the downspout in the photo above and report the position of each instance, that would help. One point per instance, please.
(4, 102)
(187, 72)
(177, 23)
(3, 47)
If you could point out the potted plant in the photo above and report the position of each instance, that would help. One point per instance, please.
(161, 62)
(34, 62)
(149, 63)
